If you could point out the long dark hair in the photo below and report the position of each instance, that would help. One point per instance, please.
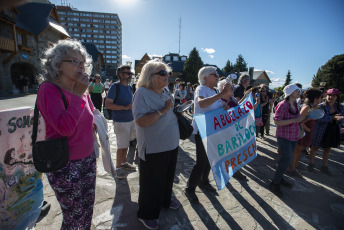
(290, 111)
(311, 95)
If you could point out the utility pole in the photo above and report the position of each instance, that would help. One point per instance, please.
(180, 30)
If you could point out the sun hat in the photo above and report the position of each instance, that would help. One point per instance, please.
(333, 91)
(289, 89)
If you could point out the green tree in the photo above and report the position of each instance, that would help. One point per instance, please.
(332, 73)
(229, 68)
(240, 65)
(287, 79)
(191, 67)
(279, 90)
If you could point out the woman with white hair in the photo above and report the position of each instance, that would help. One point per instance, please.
(287, 119)
(230, 101)
(66, 66)
(205, 99)
(158, 140)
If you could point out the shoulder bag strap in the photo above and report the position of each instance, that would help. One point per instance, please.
(117, 91)
(36, 112)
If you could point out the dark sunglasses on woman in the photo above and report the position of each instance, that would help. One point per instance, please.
(162, 73)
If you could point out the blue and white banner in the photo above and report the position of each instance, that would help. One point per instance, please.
(229, 138)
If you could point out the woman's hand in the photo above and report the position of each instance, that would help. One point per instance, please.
(81, 85)
(299, 119)
(337, 117)
(168, 105)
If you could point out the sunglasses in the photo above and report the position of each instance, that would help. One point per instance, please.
(97, 77)
(162, 73)
(215, 74)
(129, 73)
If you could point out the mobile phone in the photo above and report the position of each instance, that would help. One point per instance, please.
(257, 94)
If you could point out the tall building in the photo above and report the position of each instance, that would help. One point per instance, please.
(102, 29)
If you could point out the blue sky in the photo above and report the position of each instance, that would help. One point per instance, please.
(271, 35)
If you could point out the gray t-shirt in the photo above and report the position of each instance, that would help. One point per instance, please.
(161, 136)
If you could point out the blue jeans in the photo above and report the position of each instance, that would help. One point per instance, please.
(286, 148)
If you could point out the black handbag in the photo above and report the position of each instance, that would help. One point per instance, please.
(49, 155)
(185, 128)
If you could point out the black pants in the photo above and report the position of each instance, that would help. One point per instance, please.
(97, 100)
(261, 128)
(156, 181)
(201, 169)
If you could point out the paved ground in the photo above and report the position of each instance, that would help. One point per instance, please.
(315, 202)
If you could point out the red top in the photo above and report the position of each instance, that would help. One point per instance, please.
(76, 122)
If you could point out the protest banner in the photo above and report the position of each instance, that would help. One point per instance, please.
(21, 189)
(229, 138)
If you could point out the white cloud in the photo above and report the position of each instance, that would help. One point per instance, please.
(211, 56)
(276, 82)
(269, 72)
(125, 57)
(208, 50)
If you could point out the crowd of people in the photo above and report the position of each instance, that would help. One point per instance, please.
(147, 116)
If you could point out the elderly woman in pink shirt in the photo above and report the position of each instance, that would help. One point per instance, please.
(287, 119)
(66, 66)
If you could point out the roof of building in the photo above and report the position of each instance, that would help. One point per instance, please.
(257, 74)
(92, 50)
(36, 17)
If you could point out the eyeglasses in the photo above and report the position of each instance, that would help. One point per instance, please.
(77, 63)
(215, 74)
(129, 73)
(163, 73)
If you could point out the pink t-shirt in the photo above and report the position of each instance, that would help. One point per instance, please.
(76, 122)
(291, 131)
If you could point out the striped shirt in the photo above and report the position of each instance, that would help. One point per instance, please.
(291, 131)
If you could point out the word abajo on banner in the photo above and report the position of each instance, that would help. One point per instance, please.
(229, 138)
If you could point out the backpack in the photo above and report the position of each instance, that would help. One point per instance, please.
(108, 112)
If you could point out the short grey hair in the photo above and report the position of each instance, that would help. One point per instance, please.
(243, 78)
(205, 71)
(221, 84)
(148, 71)
(54, 55)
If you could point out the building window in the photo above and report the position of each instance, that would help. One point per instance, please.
(168, 58)
(183, 58)
(175, 58)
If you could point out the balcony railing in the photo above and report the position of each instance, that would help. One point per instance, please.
(7, 45)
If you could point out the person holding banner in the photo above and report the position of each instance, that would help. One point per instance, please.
(287, 119)
(205, 100)
(158, 140)
(67, 65)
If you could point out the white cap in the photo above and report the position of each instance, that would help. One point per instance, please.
(289, 89)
